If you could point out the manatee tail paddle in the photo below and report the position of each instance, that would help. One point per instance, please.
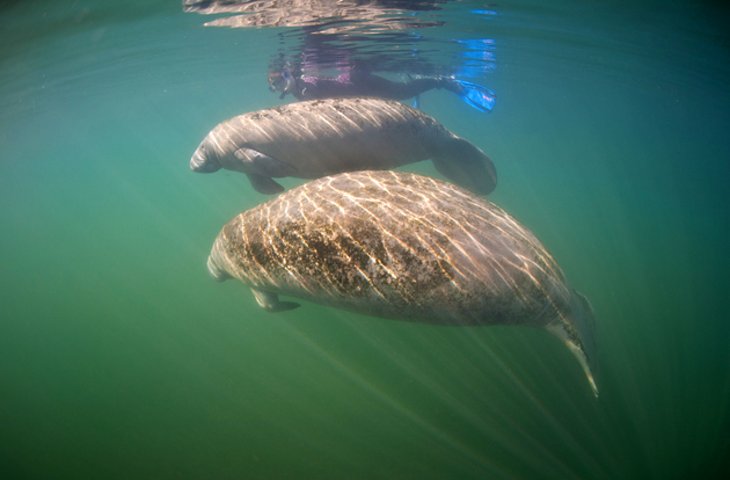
(466, 165)
(577, 333)
(476, 96)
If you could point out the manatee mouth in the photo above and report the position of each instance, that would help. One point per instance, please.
(202, 163)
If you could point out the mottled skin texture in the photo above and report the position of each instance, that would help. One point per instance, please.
(316, 138)
(402, 246)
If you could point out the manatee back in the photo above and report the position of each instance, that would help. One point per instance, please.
(395, 245)
(322, 137)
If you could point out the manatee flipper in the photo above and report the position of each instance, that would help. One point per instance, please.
(264, 184)
(270, 301)
(264, 164)
(466, 165)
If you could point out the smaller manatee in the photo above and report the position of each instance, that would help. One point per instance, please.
(316, 138)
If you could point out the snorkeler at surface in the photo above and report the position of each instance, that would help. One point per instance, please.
(358, 82)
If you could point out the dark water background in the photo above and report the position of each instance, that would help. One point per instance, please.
(120, 358)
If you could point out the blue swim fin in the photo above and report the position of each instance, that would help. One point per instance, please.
(416, 102)
(481, 98)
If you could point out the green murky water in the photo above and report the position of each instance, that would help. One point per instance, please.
(120, 358)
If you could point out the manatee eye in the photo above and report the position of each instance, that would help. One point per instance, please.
(203, 150)
(208, 153)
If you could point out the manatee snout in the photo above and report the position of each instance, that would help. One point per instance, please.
(216, 272)
(204, 160)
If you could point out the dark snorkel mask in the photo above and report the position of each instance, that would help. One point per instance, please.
(282, 81)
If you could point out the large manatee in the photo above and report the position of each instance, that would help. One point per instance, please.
(402, 246)
(316, 138)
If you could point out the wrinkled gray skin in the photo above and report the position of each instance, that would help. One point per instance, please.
(402, 246)
(316, 138)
